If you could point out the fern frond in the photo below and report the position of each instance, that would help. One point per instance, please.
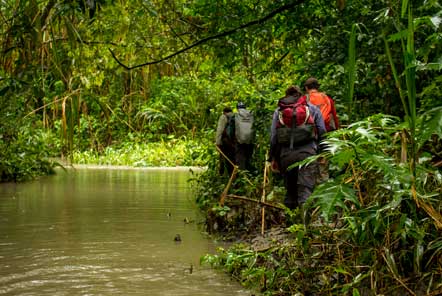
(331, 198)
(430, 123)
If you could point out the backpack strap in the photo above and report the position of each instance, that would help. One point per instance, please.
(280, 118)
(307, 114)
(294, 124)
(292, 131)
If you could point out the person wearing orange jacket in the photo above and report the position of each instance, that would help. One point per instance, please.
(323, 102)
(327, 107)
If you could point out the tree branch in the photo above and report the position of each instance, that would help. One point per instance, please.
(217, 36)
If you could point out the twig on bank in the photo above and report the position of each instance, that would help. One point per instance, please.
(255, 201)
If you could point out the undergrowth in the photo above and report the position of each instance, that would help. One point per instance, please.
(373, 228)
(168, 153)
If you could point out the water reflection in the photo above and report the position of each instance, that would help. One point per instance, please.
(104, 232)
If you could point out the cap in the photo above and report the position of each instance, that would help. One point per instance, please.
(241, 105)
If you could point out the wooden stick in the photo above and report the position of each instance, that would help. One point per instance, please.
(226, 189)
(222, 153)
(255, 201)
(232, 177)
(263, 198)
(228, 159)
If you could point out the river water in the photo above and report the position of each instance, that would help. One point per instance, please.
(105, 232)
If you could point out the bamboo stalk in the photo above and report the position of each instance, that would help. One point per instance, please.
(356, 180)
(232, 177)
(255, 201)
(224, 194)
(226, 189)
(222, 153)
(52, 103)
(403, 146)
(263, 198)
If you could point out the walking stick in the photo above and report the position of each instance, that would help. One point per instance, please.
(263, 197)
(226, 189)
(232, 177)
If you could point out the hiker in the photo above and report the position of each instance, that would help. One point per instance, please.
(327, 107)
(225, 141)
(244, 135)
(297, 127)
(325, 104)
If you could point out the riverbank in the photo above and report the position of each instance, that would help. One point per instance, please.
(125, 167)
(172, 153)
(300, 260)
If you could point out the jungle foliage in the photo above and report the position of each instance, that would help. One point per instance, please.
(124, 82)
(70, 60)
(369, 231)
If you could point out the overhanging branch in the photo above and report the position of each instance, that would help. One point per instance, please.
(217, 36)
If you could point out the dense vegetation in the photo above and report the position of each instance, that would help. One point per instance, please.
(124, 82)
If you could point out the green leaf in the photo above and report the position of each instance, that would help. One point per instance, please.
(436, 21)
(341, 270)
(391, 262)
(331, 197)
(398, 36)
(436, 66)
(430, 124)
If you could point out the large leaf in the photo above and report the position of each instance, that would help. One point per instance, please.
(333, 197)
(430, 124)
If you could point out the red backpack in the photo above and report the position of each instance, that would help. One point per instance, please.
(296, 126)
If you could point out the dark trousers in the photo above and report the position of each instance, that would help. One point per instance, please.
(243, 156)
(299, 184)
(224, 164)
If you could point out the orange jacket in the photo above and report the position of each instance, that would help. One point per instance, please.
(327, 107)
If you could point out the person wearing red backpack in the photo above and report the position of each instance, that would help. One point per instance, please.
(327, 107)
(297, 128)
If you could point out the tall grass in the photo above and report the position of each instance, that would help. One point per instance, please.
(351, 71)
(409, 97)
(409, 100)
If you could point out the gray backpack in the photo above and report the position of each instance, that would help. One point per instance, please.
(244, 126)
